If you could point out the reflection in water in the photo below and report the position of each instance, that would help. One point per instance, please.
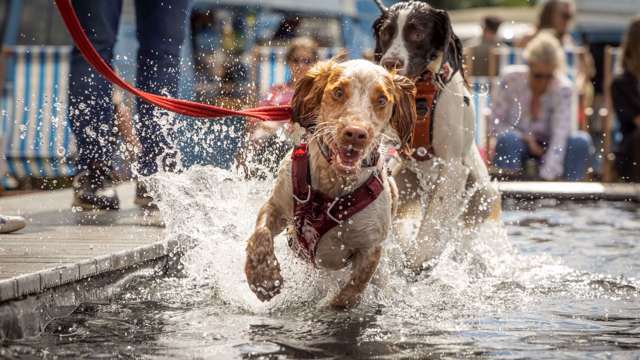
(558, 281)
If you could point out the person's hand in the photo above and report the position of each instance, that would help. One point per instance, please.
(534, 148)
(636, 120)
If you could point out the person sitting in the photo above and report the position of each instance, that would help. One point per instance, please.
(556, 17)
(625, 94)
(480, 49)
(531, 116)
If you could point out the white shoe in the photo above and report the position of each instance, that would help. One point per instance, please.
(10, 224)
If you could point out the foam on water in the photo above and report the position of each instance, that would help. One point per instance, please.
(212, 212)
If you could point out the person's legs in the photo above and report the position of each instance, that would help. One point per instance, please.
(511, 151)
(579, 156)
(161, 30)
(90, 105)
(91, 108)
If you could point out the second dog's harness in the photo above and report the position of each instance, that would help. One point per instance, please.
(315, 213)
(427, 94)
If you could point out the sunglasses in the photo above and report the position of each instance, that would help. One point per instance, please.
(567, 16)
(541, 76)
(303, 61)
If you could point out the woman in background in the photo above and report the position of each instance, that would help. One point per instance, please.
(556, 16)
(625, 93)
(270, 141)
(531, 116)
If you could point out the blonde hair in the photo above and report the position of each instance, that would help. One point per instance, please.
(631, 48)
(545, 48)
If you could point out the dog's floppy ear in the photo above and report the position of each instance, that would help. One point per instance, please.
(404, 115)
(452, 51)
(308, 92)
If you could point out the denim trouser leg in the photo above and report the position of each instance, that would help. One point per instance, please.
(580, 151)
(90, 103)
(510, 152)
(161, 28)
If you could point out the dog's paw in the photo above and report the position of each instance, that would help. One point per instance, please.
(345, 300)
(262, 268)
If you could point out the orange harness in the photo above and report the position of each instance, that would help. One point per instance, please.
(427, 94)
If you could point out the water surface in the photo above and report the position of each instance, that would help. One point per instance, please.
(557, 281)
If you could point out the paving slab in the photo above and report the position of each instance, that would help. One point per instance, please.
(59, 246)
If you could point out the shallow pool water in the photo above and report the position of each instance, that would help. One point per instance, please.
(559, 280)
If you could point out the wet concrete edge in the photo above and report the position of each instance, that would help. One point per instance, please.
(28, 301)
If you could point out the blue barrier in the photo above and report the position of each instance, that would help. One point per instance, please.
(37, 139)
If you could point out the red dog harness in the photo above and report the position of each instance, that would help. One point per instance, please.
(427, 94)
(315, 213)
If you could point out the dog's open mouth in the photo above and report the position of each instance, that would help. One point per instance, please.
(346, 158)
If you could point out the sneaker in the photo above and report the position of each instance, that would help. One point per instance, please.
(143, 197)
(9, 224)
(93, 190)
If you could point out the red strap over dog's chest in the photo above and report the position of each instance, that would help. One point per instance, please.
(427, 94)
(314, 213)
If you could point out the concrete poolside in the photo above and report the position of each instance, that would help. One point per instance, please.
(60, 246)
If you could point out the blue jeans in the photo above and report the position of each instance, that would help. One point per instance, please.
(161, 28)
(512, 153)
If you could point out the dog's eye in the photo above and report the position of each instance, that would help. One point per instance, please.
(382, 100)
(338, 93)
(416, 35)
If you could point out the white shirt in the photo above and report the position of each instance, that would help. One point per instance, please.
(511, 111)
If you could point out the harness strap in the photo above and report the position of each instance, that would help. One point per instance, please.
(427, 94)
(314, 212)
(300, 174)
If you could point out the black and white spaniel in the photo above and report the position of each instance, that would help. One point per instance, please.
(448, 184)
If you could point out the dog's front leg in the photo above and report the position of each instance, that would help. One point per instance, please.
(365, 263)
(262, 268)
(442, 212)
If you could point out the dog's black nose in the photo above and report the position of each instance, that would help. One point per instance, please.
(393, 63)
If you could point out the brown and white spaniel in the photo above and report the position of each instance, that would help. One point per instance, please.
(336, 174)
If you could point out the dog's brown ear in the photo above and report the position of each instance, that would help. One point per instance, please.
(308, 92)
(404, 115)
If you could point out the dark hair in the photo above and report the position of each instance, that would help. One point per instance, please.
(492, 23)
(545, 20)
(305, 43)
(631, 50)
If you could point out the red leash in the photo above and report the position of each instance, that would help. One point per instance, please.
(185, 107)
